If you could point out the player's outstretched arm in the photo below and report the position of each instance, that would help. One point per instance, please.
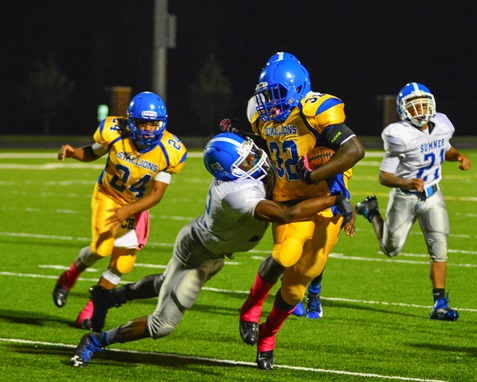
(83, 154)
(274, 212)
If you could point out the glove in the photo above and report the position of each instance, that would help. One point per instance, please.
(344, 207)
(304, 170)
(230, 125)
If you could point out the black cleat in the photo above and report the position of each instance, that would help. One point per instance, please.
(83, 323)
(103, 299)
(265, 360)
(249, 332)
(368, 207)
(60, 294)
(89, 344)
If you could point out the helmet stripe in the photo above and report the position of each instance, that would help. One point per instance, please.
(227, 140)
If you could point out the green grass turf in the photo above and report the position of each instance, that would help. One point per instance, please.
(375, 324)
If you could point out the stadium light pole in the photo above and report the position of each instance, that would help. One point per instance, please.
(164, 38)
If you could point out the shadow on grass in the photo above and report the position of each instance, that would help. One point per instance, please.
(367, 307)
(126, 358)
(27, 318)
(470, 351)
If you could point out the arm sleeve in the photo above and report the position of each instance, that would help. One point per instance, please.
(163, 177)
(335, 135)
(99, 149)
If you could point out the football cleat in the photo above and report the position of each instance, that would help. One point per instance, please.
(368, 207)
(265, 360)
(62, 288)
(60, 294)
(89, 344)
(249, 332)
(442, 311)
(103, 299)
(83, 321)
(314, 309)
(299, 310)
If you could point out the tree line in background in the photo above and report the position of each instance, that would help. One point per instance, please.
(48, 93)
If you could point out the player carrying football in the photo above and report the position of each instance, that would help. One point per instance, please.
(292, 121)
(142, 155)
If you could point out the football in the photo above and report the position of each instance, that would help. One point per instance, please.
(318, 156)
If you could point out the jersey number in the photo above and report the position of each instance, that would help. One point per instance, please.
(432, 158)
(119, 183)
(287, 166)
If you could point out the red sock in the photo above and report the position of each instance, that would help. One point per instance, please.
(68, 278)
(86, 313)
(269, 329)
(252, 307)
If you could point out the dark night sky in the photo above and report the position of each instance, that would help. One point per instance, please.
(354, 49)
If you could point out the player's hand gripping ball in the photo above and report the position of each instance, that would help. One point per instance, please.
(318, 156)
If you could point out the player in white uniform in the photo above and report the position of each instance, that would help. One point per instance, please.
(415, 148)
(235, 219)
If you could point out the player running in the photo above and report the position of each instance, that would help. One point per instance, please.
(142, 155)
(415, 148)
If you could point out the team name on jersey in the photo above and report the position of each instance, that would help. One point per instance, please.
(138, 162)
(279, 131)
(433, 145)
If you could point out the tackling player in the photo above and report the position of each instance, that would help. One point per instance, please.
(235, 219)
(415, 149)
(142, 155)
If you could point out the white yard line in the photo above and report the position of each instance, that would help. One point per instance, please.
(225, 361)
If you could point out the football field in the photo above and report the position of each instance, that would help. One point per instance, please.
(375, 325)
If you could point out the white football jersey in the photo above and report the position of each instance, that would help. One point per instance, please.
(228, 224)
(412, 153)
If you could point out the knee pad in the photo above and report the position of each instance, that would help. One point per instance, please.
(292, 295)
(288, 252)
(387, 252)
(161, 324)
(123, 260)
(438, 250)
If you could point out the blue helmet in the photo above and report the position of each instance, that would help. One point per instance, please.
(415, 104)
(280, 56)
(226, 152)
(146, 106)
(281, 86)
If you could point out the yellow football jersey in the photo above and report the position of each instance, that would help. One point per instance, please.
(129, 175)
(289, 140)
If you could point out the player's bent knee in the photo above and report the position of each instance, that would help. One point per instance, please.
(161, 331)
(158, 326)
(438, 251)
(390, 252)
(293, 296)
(125, 264)
(289, 252)
(123, 260)
(87, 257)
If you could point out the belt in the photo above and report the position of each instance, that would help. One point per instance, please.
(429, 191)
